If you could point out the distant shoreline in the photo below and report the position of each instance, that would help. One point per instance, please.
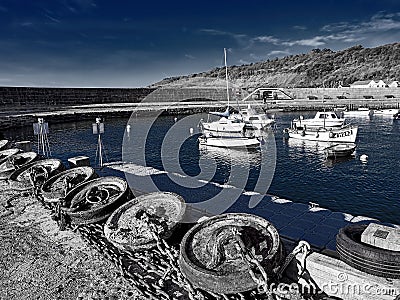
(12, 119)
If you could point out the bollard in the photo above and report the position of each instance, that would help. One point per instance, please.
(78, 161)
(24, 146)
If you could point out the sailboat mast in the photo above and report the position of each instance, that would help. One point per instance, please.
(226, 77)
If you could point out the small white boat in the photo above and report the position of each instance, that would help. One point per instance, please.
(230, 142)
(347, 134)
(223, 127)
(360, 112)
(254, 119)
(389, 112)
(340, 150)
(327, 119)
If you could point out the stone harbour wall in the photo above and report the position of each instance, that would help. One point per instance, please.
(38, 97)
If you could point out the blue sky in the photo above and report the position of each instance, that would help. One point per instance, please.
(94, 43)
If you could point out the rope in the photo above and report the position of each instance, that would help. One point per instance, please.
(302, 247)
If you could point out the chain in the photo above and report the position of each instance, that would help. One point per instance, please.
(252, 262)
(156, 274)
(173, 256)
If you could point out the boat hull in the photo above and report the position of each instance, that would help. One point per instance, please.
(358, 113)
(233, 142)
(223, 126)
(340, 150)
(344, 135)
(260, 125)
(386, 112)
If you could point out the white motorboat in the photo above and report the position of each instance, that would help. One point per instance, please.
(340, 150)
(254, 119)
(321, 119)
(346, 134)
(223, 127)
(388, 112)
(360, 112)
(233, 142)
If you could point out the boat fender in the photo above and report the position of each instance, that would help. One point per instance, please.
(303, 133)
(331, 134)
(317, 135)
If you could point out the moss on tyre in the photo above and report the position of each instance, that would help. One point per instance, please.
(364, 257)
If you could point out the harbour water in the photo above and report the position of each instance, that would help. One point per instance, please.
(301, 174)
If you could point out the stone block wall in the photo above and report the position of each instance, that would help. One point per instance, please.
(349, 93)
(39, 97)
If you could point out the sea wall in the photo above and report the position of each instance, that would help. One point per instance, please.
(349, 93)
(31, 97)
(19, 97)
(25, 98)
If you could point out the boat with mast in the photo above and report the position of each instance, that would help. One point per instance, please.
(228, 131)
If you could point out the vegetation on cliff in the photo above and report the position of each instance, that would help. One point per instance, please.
(318, 68)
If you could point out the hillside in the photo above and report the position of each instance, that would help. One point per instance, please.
(317, 68)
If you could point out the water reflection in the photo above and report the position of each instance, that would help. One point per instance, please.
(231, 156)
(312, 150)
(331, 162)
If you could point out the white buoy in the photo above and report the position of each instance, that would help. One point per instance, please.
(191, 130)
(364, 158)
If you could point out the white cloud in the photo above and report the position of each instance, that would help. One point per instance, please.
(313, 42)
(299, 27)
(279, 52)
(190, 56)
(267, 39)
(379, 22)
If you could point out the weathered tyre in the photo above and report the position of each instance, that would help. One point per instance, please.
(15, 162)
(56, 188)
(21, 178)
(5, 154)
(211, 259)
(364, 257)
(95, 200)
(4, 144)
(132, 225)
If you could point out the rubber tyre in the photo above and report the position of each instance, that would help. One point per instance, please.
(364, 257)
(99, 213)
(227, 282)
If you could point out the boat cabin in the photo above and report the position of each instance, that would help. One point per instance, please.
(326, 115)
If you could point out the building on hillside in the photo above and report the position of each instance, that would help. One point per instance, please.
(394, 84)
(368, 84)
(363, 84)
(381, 84)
